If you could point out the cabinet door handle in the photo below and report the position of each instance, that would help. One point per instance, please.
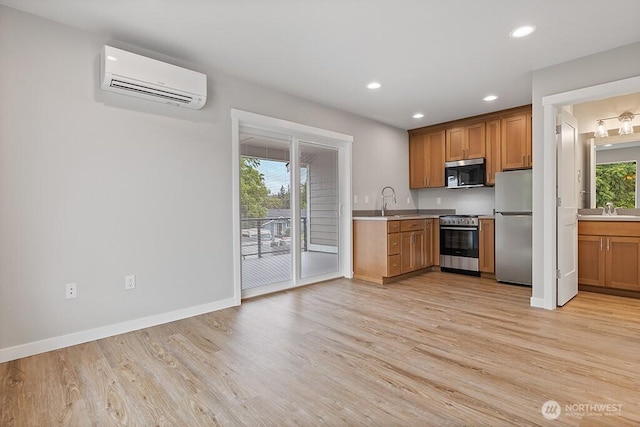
(601, 239)
(529, 159)
(608, 244)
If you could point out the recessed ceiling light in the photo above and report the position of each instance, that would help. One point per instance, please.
(374, 85)
(418, 115)
(522, 31)
(607, 145)
(490, 98)
(111, 58)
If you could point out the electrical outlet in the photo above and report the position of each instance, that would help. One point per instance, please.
(366, 199)
(355, 199)
(438, 200)
(129, 282)
(71, 290)
(408, 200)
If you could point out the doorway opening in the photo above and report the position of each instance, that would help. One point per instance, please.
(554, 259)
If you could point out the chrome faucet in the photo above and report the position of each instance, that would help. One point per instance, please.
(609, 209)
(384, 203)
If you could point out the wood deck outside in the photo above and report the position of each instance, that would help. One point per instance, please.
(435, 349)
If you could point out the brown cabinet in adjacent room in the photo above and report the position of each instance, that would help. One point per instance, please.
(609, 254)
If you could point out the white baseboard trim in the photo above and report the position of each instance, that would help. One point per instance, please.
(55, 343)
(537, 302)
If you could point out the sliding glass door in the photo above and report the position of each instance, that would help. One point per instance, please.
(319, 208)
(290, 200)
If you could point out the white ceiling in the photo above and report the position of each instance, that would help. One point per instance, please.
(434, 56)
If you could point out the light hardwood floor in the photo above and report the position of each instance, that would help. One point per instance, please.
(435, 349)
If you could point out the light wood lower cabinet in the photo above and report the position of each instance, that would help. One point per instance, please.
(486, 245)
(609, 254)
(384, 249)
(412, 245)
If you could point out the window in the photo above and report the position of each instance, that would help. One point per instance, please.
(616, 183)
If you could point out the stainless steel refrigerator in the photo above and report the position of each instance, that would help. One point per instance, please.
(513, 208)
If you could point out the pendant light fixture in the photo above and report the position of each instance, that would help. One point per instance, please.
(626, 125)
(601, 130)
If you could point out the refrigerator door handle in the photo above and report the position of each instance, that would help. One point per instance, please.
(515, 213)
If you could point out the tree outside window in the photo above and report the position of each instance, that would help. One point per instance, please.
(616, 183)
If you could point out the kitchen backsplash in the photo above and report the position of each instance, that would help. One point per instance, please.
(464, 200)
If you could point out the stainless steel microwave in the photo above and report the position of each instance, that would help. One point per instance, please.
(464, 173)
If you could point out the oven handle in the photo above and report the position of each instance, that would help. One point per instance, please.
(459, 228)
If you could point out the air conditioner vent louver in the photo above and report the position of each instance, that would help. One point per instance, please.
(134, 75)
(150, 91)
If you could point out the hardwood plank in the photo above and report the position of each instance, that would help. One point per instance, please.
(433, 349)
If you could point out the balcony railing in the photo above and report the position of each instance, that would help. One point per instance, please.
(269, 236)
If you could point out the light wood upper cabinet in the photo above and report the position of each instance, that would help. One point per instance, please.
(475, 141)
(503, 138)
(467, 142)
(426, 160)
(417, 161)
(516, 142)
(455, 144)
(493, 162)
(486, 245)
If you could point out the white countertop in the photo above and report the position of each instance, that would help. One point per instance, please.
(627, 218)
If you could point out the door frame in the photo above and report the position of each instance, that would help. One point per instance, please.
(342, 142)
(546, 175)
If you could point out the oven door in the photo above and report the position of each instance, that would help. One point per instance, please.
(459, 241)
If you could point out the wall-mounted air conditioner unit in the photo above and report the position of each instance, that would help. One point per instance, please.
(135, 75)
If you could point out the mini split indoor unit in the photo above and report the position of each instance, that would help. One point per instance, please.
(129, 74)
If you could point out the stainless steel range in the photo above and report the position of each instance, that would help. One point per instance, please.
(459, 237)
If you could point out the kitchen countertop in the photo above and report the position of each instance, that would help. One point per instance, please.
(394, 217)
(410, 216)
(620, 218)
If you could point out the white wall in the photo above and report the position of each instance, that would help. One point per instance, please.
(95, 186)
(611, 65)
(466, 201)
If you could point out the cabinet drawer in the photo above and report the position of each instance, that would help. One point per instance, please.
(393, 244)
(393, 265)
(412, 225)
(393, 226)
